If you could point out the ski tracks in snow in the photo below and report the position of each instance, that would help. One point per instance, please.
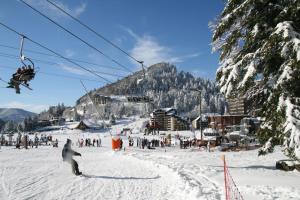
(196, 184)
(41, 174)
(127, 178)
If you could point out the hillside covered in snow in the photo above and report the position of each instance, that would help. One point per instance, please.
(167, 87)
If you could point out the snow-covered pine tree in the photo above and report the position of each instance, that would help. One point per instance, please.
(259, 45)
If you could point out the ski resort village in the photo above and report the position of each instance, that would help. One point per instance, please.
(150, 100)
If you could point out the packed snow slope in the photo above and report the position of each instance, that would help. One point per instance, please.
(161, 173)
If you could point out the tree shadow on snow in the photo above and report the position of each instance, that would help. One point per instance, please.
(121, 178)
(250, 167)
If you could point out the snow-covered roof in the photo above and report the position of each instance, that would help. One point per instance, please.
(203, 118)
(168, 111)
(102, 95)
(119, 97)
(92, 123)
(210, 130)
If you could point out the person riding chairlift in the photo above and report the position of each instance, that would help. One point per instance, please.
(24, 74)
(27, 71)
(16, 80)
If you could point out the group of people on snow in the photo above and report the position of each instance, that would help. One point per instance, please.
(185, 143)
(26, 141)
(149, 144)
(88, 142)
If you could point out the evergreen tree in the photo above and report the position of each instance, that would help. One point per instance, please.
(2, 123)
(9, 127)
(259, 45)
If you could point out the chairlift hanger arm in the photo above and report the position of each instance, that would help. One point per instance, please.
(21, 48)
(22, 56)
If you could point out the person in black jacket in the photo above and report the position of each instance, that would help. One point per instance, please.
(67, 154)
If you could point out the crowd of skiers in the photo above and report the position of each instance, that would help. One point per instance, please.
(185, 143)
(88, 142)
(149, 144)
(25, 141)
(143, 143)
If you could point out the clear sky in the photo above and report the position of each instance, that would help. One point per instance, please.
(175, 31)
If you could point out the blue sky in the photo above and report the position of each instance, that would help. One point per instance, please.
(153, 31)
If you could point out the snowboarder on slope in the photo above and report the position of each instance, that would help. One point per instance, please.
(67, 154)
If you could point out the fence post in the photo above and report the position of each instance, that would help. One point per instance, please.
(225, 178)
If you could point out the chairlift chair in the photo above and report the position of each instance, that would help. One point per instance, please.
(23, 74)
(29, 72)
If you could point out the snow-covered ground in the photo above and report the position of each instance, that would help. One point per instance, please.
(135, 174)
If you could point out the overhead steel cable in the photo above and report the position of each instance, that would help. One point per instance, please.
(54, 74)
(18, 48)
(76, 36)
(11, 56)
(91, 99)
(76, 60)
(95, 32)
(3, 80)
(18, 58)
(59, 55)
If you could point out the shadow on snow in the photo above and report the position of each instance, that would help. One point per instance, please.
(121, 178)
(249, 167)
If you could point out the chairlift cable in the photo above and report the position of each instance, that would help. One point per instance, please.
(53, 63)
(76, 36)
(91, 100)
(77, 60)
(59, 55)
(55, 75)
(3, 80)
(93, 30)
(70, 77)
(16, 48)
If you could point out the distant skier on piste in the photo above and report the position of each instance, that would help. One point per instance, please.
(67, 154)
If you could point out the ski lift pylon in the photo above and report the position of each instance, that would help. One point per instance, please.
(142, 63)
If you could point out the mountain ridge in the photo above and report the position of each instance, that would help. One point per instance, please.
(15, 114)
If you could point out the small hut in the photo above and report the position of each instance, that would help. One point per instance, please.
(82, 126)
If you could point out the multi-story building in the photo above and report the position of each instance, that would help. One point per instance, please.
(237, 106)
(175, 122)
(100, 99)
(221, 122)
(167, 119)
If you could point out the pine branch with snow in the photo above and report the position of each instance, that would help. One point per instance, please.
(259, 45)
